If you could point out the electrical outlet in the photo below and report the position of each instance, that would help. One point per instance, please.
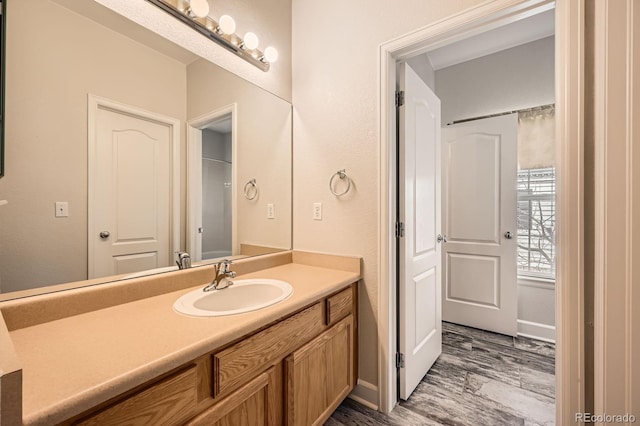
(270, 212)
(62, 209)
(317, 211)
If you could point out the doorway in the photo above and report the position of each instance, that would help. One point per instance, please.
(217, 172)
(570, 30)
(211, 229)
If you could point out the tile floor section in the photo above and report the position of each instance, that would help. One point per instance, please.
(481, 378)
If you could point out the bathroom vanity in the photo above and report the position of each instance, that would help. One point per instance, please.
(119, 354)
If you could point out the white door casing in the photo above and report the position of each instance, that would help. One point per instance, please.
(420, 316)
(133, 189)
(569, 69)
(194, 191)
(479, 208)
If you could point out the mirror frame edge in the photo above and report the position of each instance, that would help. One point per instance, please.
(2, 84)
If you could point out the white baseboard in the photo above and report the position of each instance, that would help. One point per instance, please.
(538, 331)
(366, 394)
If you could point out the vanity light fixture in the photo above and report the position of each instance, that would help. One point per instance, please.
(226, 25)
(199, 8)
(250, 41)
(195, 13)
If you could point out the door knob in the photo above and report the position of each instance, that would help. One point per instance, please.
(508, 235)
(104, 235)
(441, 239)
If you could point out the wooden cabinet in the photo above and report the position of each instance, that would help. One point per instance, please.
(320, 375)
(254, 404)
(248, 357)
(170, 401)
(296, 371)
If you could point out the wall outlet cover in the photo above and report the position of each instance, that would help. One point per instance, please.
(62, 209)
(317, 211)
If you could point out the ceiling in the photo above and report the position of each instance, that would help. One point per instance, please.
(511, 35)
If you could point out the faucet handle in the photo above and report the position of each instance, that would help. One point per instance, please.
(225, 264)
(184, 260)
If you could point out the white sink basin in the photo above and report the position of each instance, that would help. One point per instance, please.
(243, 296)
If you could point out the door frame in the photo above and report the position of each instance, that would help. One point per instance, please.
(194, 175)
(94, 103)
(569, 82)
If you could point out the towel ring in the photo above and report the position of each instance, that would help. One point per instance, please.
(342, 175)
(248, 190)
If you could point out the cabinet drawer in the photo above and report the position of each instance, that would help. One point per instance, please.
(247, 358)
(339, 305)
(168, 402)
(254, 404)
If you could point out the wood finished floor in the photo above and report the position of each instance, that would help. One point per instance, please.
(481, 378)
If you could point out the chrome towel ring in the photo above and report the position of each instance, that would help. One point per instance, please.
(342, 175)
(251, 190)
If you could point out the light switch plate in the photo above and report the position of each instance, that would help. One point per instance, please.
(317, 211)
(270, 211)
(62, 209)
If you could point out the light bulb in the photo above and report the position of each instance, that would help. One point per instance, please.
(250, 41)
(199, 8)
(226, 25)
(271, 54)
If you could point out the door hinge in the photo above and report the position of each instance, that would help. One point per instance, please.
(399, 229)
(399, 360)
(400, 98)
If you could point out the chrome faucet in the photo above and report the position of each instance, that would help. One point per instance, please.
(222, 276)
(184, 260)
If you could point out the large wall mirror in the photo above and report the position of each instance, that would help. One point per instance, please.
(122, 148)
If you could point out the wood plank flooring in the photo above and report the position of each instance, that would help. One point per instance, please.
(481, 378)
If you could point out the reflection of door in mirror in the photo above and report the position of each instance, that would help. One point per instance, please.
(130, 170)
(216, 190)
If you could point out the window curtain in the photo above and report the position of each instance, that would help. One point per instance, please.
(536, 138)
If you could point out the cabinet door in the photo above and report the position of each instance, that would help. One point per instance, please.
(320, 375)
(168, 402)
(254, 404)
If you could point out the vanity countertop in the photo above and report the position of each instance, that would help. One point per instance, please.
(72, 364)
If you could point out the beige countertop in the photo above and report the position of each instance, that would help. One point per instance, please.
(72, 364)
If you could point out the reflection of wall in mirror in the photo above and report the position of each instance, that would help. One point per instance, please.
(51, 72)
(264, 144)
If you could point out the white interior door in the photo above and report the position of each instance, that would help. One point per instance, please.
(130, 194)
(479, 219)
(420, 317)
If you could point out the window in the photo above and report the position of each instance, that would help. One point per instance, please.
(537, 222)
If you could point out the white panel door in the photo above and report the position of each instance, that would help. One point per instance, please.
(420, 319)
(479, 220)
(130, 181)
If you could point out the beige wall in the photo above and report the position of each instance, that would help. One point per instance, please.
(264, 144)
(335, 87)
(512, 79)
(49, 73)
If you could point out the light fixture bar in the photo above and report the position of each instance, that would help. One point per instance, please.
(207, 27)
